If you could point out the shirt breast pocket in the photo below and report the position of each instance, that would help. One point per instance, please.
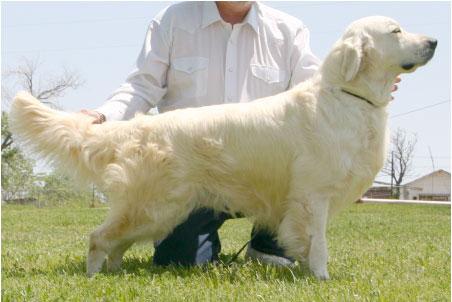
(268, 79)
(189, 76)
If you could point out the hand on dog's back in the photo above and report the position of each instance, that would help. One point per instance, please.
(97, 117)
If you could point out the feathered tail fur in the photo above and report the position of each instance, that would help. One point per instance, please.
(60, 137)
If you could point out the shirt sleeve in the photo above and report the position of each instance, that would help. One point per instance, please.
(303, 62)
(146, 84)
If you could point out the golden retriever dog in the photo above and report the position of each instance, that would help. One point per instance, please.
(289, 161)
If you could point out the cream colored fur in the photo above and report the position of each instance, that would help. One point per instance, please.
(289, 161)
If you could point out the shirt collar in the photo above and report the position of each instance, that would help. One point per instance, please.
(211, 15)
(252, 17)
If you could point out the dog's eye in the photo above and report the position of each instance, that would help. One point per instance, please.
(396, 31)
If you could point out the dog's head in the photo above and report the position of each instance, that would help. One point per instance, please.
(382, 42)
(376, 48)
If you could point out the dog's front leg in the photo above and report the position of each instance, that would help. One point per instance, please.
(302, 233)
(318, 251)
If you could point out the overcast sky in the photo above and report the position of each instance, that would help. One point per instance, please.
(101, 41)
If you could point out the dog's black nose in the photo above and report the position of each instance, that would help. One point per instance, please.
(432, 43)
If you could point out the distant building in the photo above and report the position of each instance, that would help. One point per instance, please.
(433, 186)
(378, 192)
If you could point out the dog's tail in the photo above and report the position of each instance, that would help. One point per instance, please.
(57, 136)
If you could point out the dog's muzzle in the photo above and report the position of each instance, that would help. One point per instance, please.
(429, 49)
(425, 53)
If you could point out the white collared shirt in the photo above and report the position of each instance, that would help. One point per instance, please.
(192, 58)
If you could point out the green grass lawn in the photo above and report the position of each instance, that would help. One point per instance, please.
(377, 253)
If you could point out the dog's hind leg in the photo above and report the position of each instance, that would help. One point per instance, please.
(101, 245)
(96, 254)
(111, 239)
(129, 225)
(114, 259)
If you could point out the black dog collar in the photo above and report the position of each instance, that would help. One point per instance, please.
(359, 97)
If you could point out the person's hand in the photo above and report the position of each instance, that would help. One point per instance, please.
(98, 118)
(394, 87)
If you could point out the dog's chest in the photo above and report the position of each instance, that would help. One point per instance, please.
(361, 160)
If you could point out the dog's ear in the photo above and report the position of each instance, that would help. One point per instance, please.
(352, 56)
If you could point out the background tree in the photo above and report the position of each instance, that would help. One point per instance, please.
(27, 76)
(17, 170)
(399, 161)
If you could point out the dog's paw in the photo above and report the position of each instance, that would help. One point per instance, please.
(92, 271)
(321, 274)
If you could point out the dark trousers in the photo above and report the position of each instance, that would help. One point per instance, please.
(196, 241)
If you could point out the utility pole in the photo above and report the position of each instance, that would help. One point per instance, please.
(433, 167)
(93, 197)
(392, 174)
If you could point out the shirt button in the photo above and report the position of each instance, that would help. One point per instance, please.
(230, 69)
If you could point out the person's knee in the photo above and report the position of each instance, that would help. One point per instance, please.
(193, 242)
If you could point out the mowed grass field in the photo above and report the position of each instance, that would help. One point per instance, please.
(377, 253)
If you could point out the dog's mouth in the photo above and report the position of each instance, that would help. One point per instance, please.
(424, 55)
(408, 66)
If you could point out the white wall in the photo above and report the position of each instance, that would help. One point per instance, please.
(436, 183)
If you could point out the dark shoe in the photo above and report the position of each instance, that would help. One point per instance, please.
(268, 259)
